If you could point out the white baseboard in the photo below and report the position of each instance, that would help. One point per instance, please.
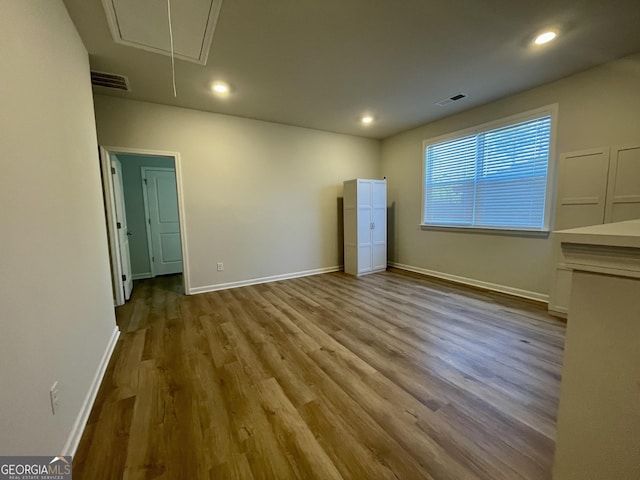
(71, 445)
(559, 312)
(140, 276)
(256, 281)
(539, 297)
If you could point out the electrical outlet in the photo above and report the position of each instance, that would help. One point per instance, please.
(54, 396)
(220, 266)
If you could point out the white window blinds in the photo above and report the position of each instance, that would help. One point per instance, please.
(492, 179)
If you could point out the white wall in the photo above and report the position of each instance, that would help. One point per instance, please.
(598, 107)
(260, 197)
(134, 205)
(55, 288)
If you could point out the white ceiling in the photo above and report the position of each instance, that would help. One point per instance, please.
(323, 63)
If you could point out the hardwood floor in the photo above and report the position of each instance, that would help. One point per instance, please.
(385, 376)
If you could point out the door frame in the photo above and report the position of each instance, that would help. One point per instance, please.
(147, 215)
(109, 197)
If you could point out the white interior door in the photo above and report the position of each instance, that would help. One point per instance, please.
(123, 232)
(163, 222)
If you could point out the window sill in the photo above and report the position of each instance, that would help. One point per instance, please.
(487, 231)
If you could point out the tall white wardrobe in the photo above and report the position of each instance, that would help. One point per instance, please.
(365, 226)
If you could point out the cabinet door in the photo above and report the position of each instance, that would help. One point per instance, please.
(581, 199)
(379, 231)
(365, 219)
(623, 193)
(582, 188)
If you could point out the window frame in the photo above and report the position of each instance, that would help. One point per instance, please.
(552, 111)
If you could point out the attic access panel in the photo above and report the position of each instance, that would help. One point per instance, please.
(144, 24)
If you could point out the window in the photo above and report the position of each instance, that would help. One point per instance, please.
(494, 176)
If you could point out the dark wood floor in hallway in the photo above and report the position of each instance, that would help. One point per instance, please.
(387, 376)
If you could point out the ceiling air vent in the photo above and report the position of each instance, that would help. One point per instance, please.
(447, 101)
(110, 80)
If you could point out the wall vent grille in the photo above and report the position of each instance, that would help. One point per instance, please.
(110, 80)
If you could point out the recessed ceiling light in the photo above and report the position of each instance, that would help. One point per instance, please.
(545, 37)
(220, 87)
(367, 119)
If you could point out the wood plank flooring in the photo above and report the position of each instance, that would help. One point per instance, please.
(388, 376)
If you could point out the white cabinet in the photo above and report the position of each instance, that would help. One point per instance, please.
(623, 192)
(582, 188)
(365, 226)
(598, 431)
(594, 187)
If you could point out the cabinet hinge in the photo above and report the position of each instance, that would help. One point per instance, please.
(113, 171)
(118, 225)
(124, 278)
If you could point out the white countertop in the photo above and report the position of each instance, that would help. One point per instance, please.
(619, 234)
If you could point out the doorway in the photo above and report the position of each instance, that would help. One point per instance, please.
(145, 216)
